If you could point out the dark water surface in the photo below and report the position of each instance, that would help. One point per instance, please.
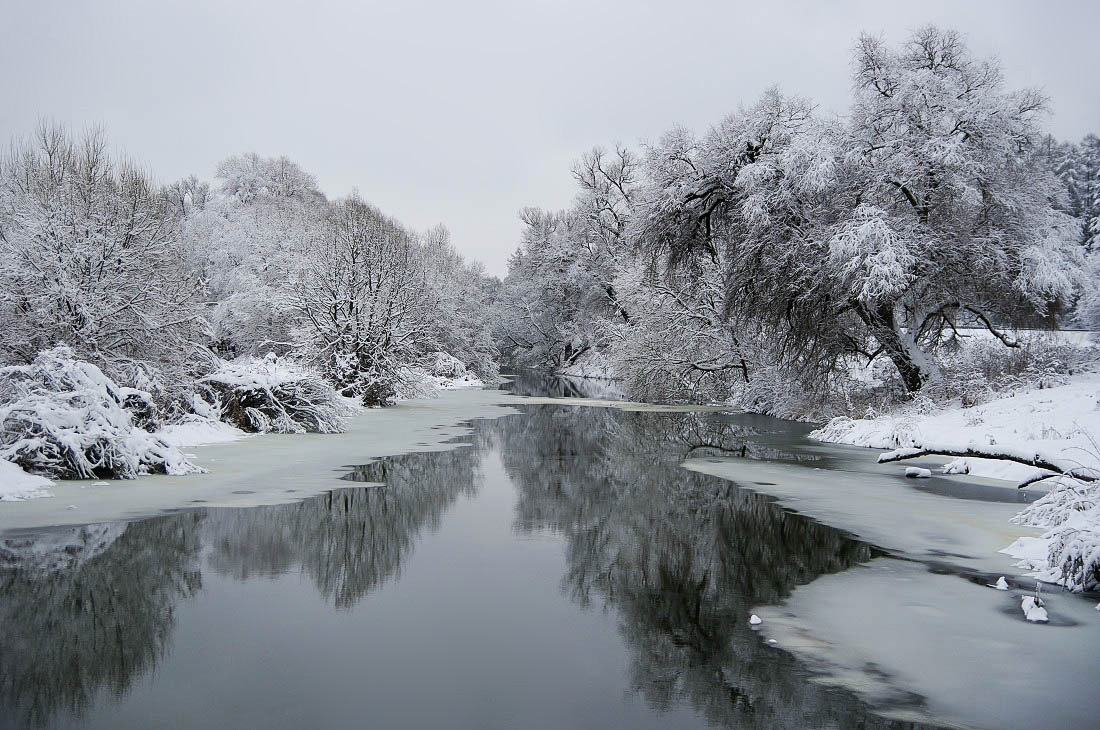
(559, 571)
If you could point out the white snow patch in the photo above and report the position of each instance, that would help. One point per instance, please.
(1033, 610)
(916, 472)
(1054, 422)
(199, 431)
(16, 484)
(755, 620)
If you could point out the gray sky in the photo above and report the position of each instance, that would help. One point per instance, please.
(464, 112)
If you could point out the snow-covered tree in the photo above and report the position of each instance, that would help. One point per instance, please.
(246, 242)
(363, 296)
(876, 236)
(89, 255)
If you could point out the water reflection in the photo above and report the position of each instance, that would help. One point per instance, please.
(550, 385)
(349, 541)
(88, 610)
(679, 557)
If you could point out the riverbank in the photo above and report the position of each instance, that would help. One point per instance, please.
(263, 469)
(925, 620)
(1061, 421)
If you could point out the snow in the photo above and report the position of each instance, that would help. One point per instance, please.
(1033, 610)
(64, 417)
(16, 484)
(916, 472)
(925, 627)
(271, 468)
(755, 620)
(875, 503)
(1052, 422)
(199, 431)
(894, 631)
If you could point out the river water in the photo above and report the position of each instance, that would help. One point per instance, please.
(560, 569)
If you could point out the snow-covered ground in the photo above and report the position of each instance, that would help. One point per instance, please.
(267, 468)
(199, 432)
(1061, 425)
(1056, 422)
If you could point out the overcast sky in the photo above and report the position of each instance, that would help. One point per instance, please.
(464, 112)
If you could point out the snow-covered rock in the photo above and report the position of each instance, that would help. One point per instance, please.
(755, 620)
(1033, 610)
(1001, 584)
(916, 472)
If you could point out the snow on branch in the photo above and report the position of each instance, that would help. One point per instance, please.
(276, 395)
(63, 418)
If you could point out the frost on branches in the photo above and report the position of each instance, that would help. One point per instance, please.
(64, 419)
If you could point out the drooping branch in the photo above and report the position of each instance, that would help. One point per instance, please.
(1050, 467)
(1005, 339)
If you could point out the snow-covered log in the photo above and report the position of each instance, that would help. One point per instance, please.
(276, 395)
(1050, 467)
(63, 418)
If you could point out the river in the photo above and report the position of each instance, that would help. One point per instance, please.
(558, 569)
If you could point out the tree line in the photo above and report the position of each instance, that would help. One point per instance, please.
(784, 248)
(155, 284)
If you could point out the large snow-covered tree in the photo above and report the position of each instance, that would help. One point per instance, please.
(876, 235)
(953, 218)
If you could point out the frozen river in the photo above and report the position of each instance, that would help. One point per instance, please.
(558, 569)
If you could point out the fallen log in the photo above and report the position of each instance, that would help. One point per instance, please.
(1047, 466)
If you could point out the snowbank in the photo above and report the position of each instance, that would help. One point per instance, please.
(1056, 425)
(16, 484)
(198, 432)
(1053, 421)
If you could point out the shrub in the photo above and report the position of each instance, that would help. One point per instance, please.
(275, 395)
(65, 419)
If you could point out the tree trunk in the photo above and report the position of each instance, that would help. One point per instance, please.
(881, 323)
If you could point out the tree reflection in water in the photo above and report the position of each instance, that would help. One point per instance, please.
(89, 609)
(679, 557)
(349, 541)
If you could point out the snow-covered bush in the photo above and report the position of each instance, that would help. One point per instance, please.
(275, 395)
(974, 372)
(1071, 512)
(63, 418)
(447, 366)
(414, 382)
